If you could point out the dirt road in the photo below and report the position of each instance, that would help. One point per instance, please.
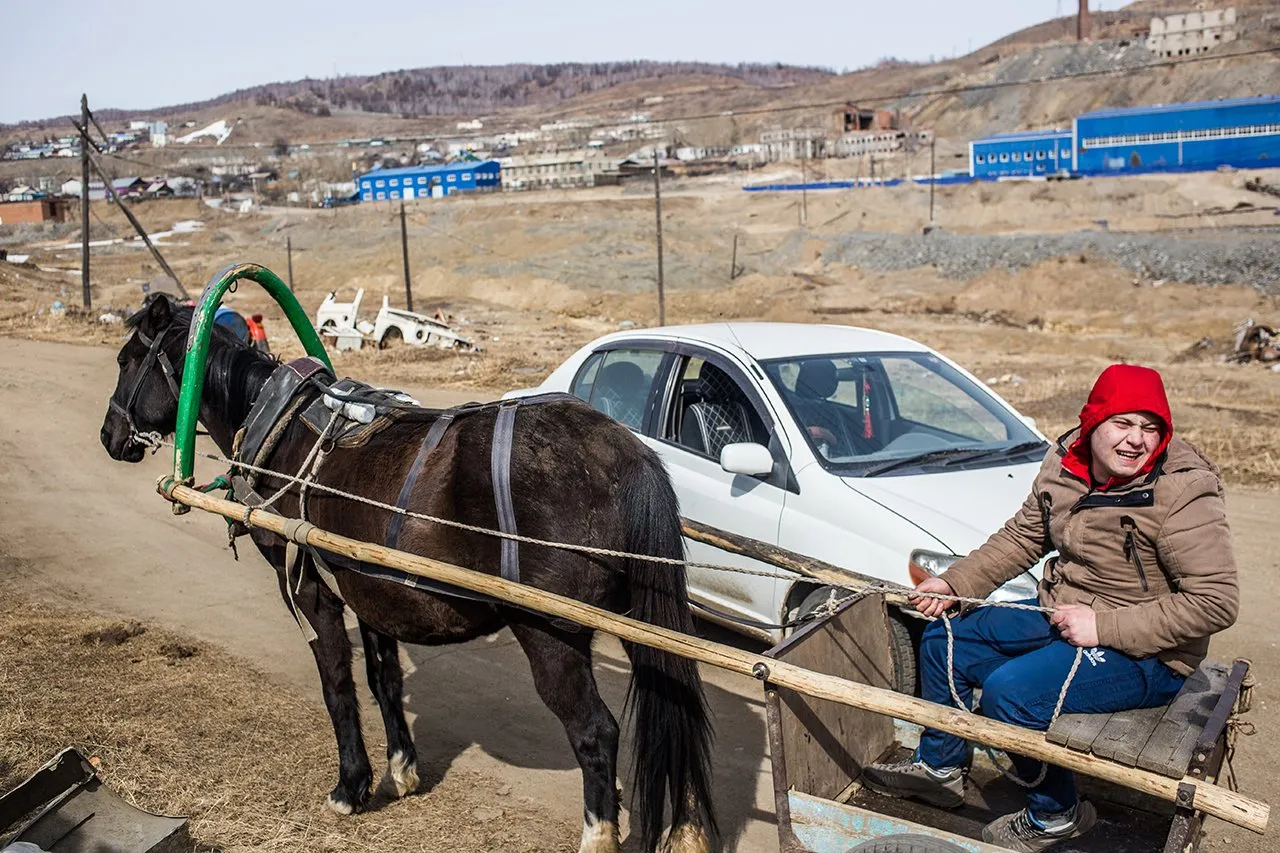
(85, 530)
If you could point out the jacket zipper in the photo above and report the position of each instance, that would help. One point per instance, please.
(1046, 505)
(1131, 548)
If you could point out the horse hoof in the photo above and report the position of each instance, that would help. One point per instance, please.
(341, 801)
(339, 806)
(401, 777)
(599, 836)
(687, 838)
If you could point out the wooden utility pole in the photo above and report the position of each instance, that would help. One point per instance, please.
(657, 206)
(933, 171)
(288, 248)
(85, 294)
(804, 180)
(733, 262)
(137, 226)
(404, 248)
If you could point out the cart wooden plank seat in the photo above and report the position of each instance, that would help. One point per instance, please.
(1164, 739)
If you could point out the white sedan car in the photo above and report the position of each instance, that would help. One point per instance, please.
(860, 448)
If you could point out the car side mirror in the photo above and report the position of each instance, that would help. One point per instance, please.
(746, 458)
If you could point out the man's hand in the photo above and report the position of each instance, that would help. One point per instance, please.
(1077, 623)
(932, 606)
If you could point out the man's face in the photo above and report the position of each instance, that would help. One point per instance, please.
(1122, 444)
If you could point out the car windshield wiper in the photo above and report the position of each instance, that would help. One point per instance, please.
(1012, 450)
(950, 454)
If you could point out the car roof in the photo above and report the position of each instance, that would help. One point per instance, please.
(764, 341)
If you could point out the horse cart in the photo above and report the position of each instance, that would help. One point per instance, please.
(829, 708)
(818, 748)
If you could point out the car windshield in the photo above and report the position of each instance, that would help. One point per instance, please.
(866, 414)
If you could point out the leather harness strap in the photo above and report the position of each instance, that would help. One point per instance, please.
(429, 443)
(503, 433)
(155, 353)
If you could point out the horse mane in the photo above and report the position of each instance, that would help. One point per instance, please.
(234, 370)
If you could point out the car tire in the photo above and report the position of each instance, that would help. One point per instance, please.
(392, 337)
(903, 641)
(906, 842)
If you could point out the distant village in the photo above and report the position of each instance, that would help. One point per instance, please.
(590, 151)
(562, 154)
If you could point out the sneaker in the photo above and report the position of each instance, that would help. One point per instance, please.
(912, 778)
(1020, 831)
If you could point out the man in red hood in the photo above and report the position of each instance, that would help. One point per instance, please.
(1142, 576)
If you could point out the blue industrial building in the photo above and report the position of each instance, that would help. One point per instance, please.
(1241, 132)
(1023, 155)
(413, 182)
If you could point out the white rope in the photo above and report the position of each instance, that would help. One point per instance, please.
(155, 441)
(828, 607)
(1057, 710)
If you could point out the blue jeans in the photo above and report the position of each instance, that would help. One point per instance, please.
(1020, 661)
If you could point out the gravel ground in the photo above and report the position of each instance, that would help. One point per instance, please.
(1249, 257)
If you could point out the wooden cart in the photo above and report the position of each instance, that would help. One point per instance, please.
(818, 749)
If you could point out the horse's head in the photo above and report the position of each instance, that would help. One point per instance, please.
(146, 395)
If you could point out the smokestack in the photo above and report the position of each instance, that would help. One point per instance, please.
(1082, 22)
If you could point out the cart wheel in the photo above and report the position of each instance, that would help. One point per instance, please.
(907, 842)
(902, 642)
(390, 338)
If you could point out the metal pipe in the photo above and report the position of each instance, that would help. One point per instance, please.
(198, 350)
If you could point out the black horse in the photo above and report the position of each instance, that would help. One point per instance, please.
(576, 476)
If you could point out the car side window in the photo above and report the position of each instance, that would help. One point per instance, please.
(586, 377)
(711, 410)
(618, 382)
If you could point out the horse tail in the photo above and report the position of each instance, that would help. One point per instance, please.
(665, 700)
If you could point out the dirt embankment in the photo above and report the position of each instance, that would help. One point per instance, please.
(1036, 286)
(183, 728)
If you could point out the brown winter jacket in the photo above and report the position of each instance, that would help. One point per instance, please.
(1153, 558)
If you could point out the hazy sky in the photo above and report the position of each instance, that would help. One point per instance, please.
(139, 54)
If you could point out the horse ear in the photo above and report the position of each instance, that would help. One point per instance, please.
(159, 313)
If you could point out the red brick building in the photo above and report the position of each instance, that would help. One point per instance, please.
(37, 210)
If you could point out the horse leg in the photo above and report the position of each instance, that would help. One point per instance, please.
(332, 651)
(561, 664)
(382, 663)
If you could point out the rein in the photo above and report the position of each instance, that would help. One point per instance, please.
(155, 355)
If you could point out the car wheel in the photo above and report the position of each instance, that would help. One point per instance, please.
(904, 637)
(906, 842)
(392, 337)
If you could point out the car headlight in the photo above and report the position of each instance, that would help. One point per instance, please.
(927, 564)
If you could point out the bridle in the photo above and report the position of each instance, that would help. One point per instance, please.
(155, 355)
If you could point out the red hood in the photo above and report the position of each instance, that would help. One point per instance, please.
(1121, 388)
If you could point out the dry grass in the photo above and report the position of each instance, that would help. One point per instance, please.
(531, 277)
(182, 728)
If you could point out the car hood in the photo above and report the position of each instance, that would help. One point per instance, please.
(959, 509)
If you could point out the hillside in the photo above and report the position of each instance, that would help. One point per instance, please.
(429, 101)
(472, 89)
